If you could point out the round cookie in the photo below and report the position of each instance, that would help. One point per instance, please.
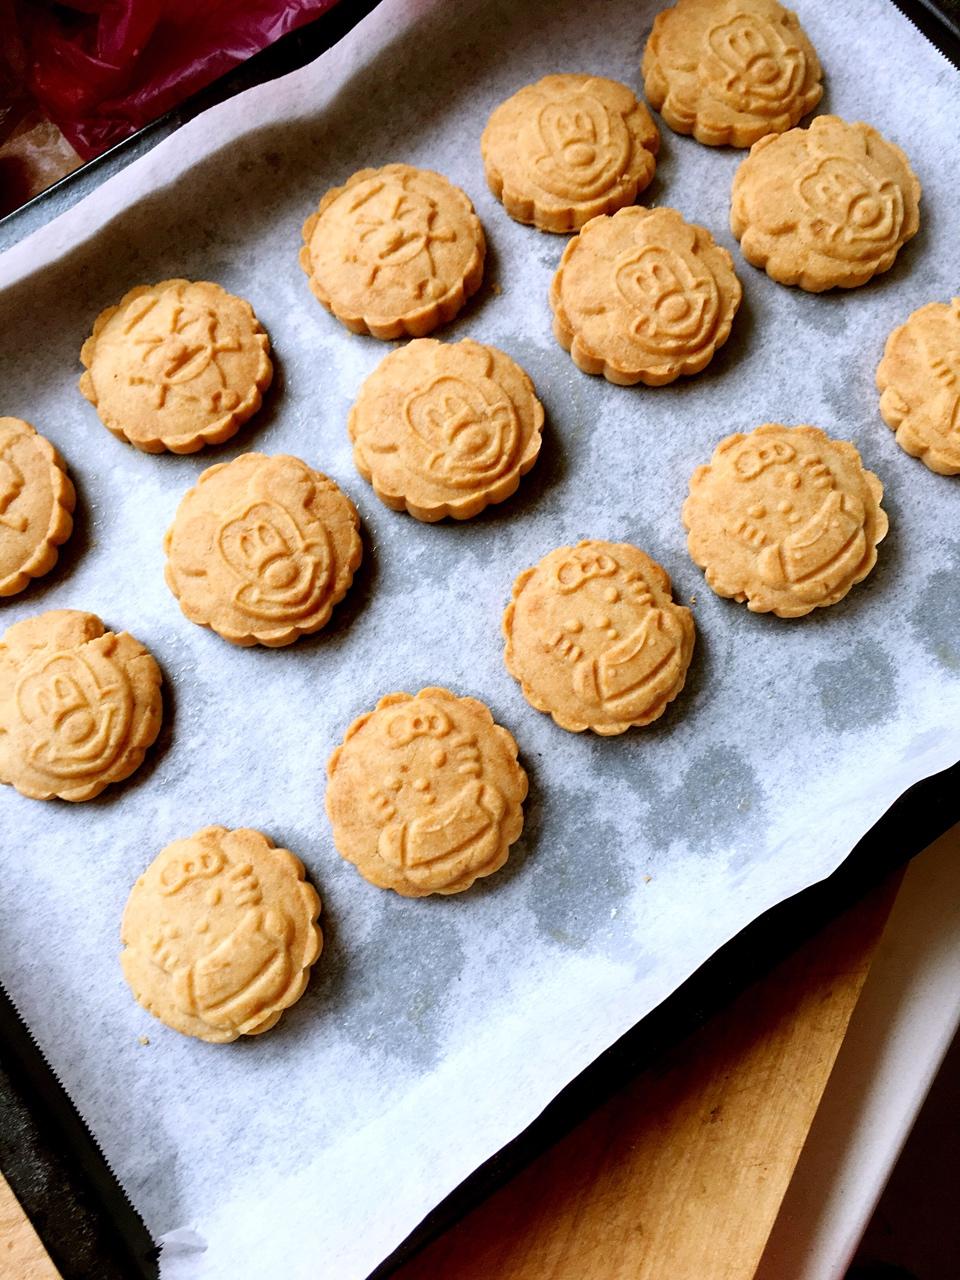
(784, 518)
(394, 251)
(36, 505)
(919, 382)
(643, 296)
(443, 429)
(219, 933)
(567, 148)
(425, 793)
(730, 72)
(594, 638)
(261, 549)
(79, 705)
(176, 365)
(824, 207)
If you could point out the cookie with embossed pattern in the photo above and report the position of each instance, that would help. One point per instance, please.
(261, 549)
(176, 365)
(394, 252)
(79, 705)
(825, 207)
(919, 382)
(567, 148)
(595, 639)
(36, 505)
(643, 296)
(425, 794)
(730, 71)
(786, 519)
(444, 429)
(219, 934)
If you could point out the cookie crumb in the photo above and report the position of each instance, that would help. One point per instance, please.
(143, 1039)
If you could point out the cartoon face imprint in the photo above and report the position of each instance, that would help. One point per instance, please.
(279, 570)
(583, 147)
(848, 207)
(179, 343)
(464, 432)
(77, 714)
(750, 66)
(940, 352)
(393, 226)
(674, 308)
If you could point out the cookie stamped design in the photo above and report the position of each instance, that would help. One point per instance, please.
(36, 505)
(919, 381)
(425, 793)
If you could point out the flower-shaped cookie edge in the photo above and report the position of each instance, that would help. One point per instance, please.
(894, 409)
(60, 525)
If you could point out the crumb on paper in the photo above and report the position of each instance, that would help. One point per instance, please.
(647, 879)
(143, 1039)
(495, 288)
(693, 598)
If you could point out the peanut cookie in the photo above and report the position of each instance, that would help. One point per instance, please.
(567, 148)
(394, 251)
(824, 207)
(261, 549)
(595, 639)
(219, 933)
(919, 381)
(730, 72)
(425, 793)
(36, 505)
(176, 365)
(784, 518)
(444, 429)
(79, 705)
(643, 296)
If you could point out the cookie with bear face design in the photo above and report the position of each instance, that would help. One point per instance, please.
(919, 382)
(443, 429)
(261, 549)
(595, 639)
(79, 705)
(219, 934)
(785, 518)
(36, 505)
(425, 793)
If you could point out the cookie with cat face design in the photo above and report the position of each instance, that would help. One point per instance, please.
(919, 382)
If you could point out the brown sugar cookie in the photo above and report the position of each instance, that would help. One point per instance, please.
(567, 148)
(784, 518)
(643, 296)
(394, 251)
(824, 207)
(425, 793)
(36, 505)
(594, 638)
(444, 429)
(730, 71)
(79, 705)
(176, 365)
(261, 549)
(919, 381)
(219, 933)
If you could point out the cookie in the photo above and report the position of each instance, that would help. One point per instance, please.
(394, 251)
(730, 72)
(79, 705)
(567, 148)
(36, 505)
(176, 365)
(219, 934)
(643, 296)
(825, 207)
(594, 638)
(425, 793)
(784, 518)
(261, 549)
(919, 381)
(443, 429)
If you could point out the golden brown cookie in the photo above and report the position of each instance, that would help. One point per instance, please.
(824, 207)
(730, 71)
(425, 793)
(36, 505)
(643, 296)
(784, 518)
(219, 933)
(567, 148)
(444, 429)
(394, 251)
(919, 381)
(261, 549)
(79, 705)
(594, 638)
(176, 365)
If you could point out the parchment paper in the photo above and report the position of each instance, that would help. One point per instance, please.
(433, 1031)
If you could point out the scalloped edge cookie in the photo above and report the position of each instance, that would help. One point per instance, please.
(895, 411)
(60, 525)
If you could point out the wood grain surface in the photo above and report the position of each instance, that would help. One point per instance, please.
(22, 1256)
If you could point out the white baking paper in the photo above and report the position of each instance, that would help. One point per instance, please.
(433, 1031)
